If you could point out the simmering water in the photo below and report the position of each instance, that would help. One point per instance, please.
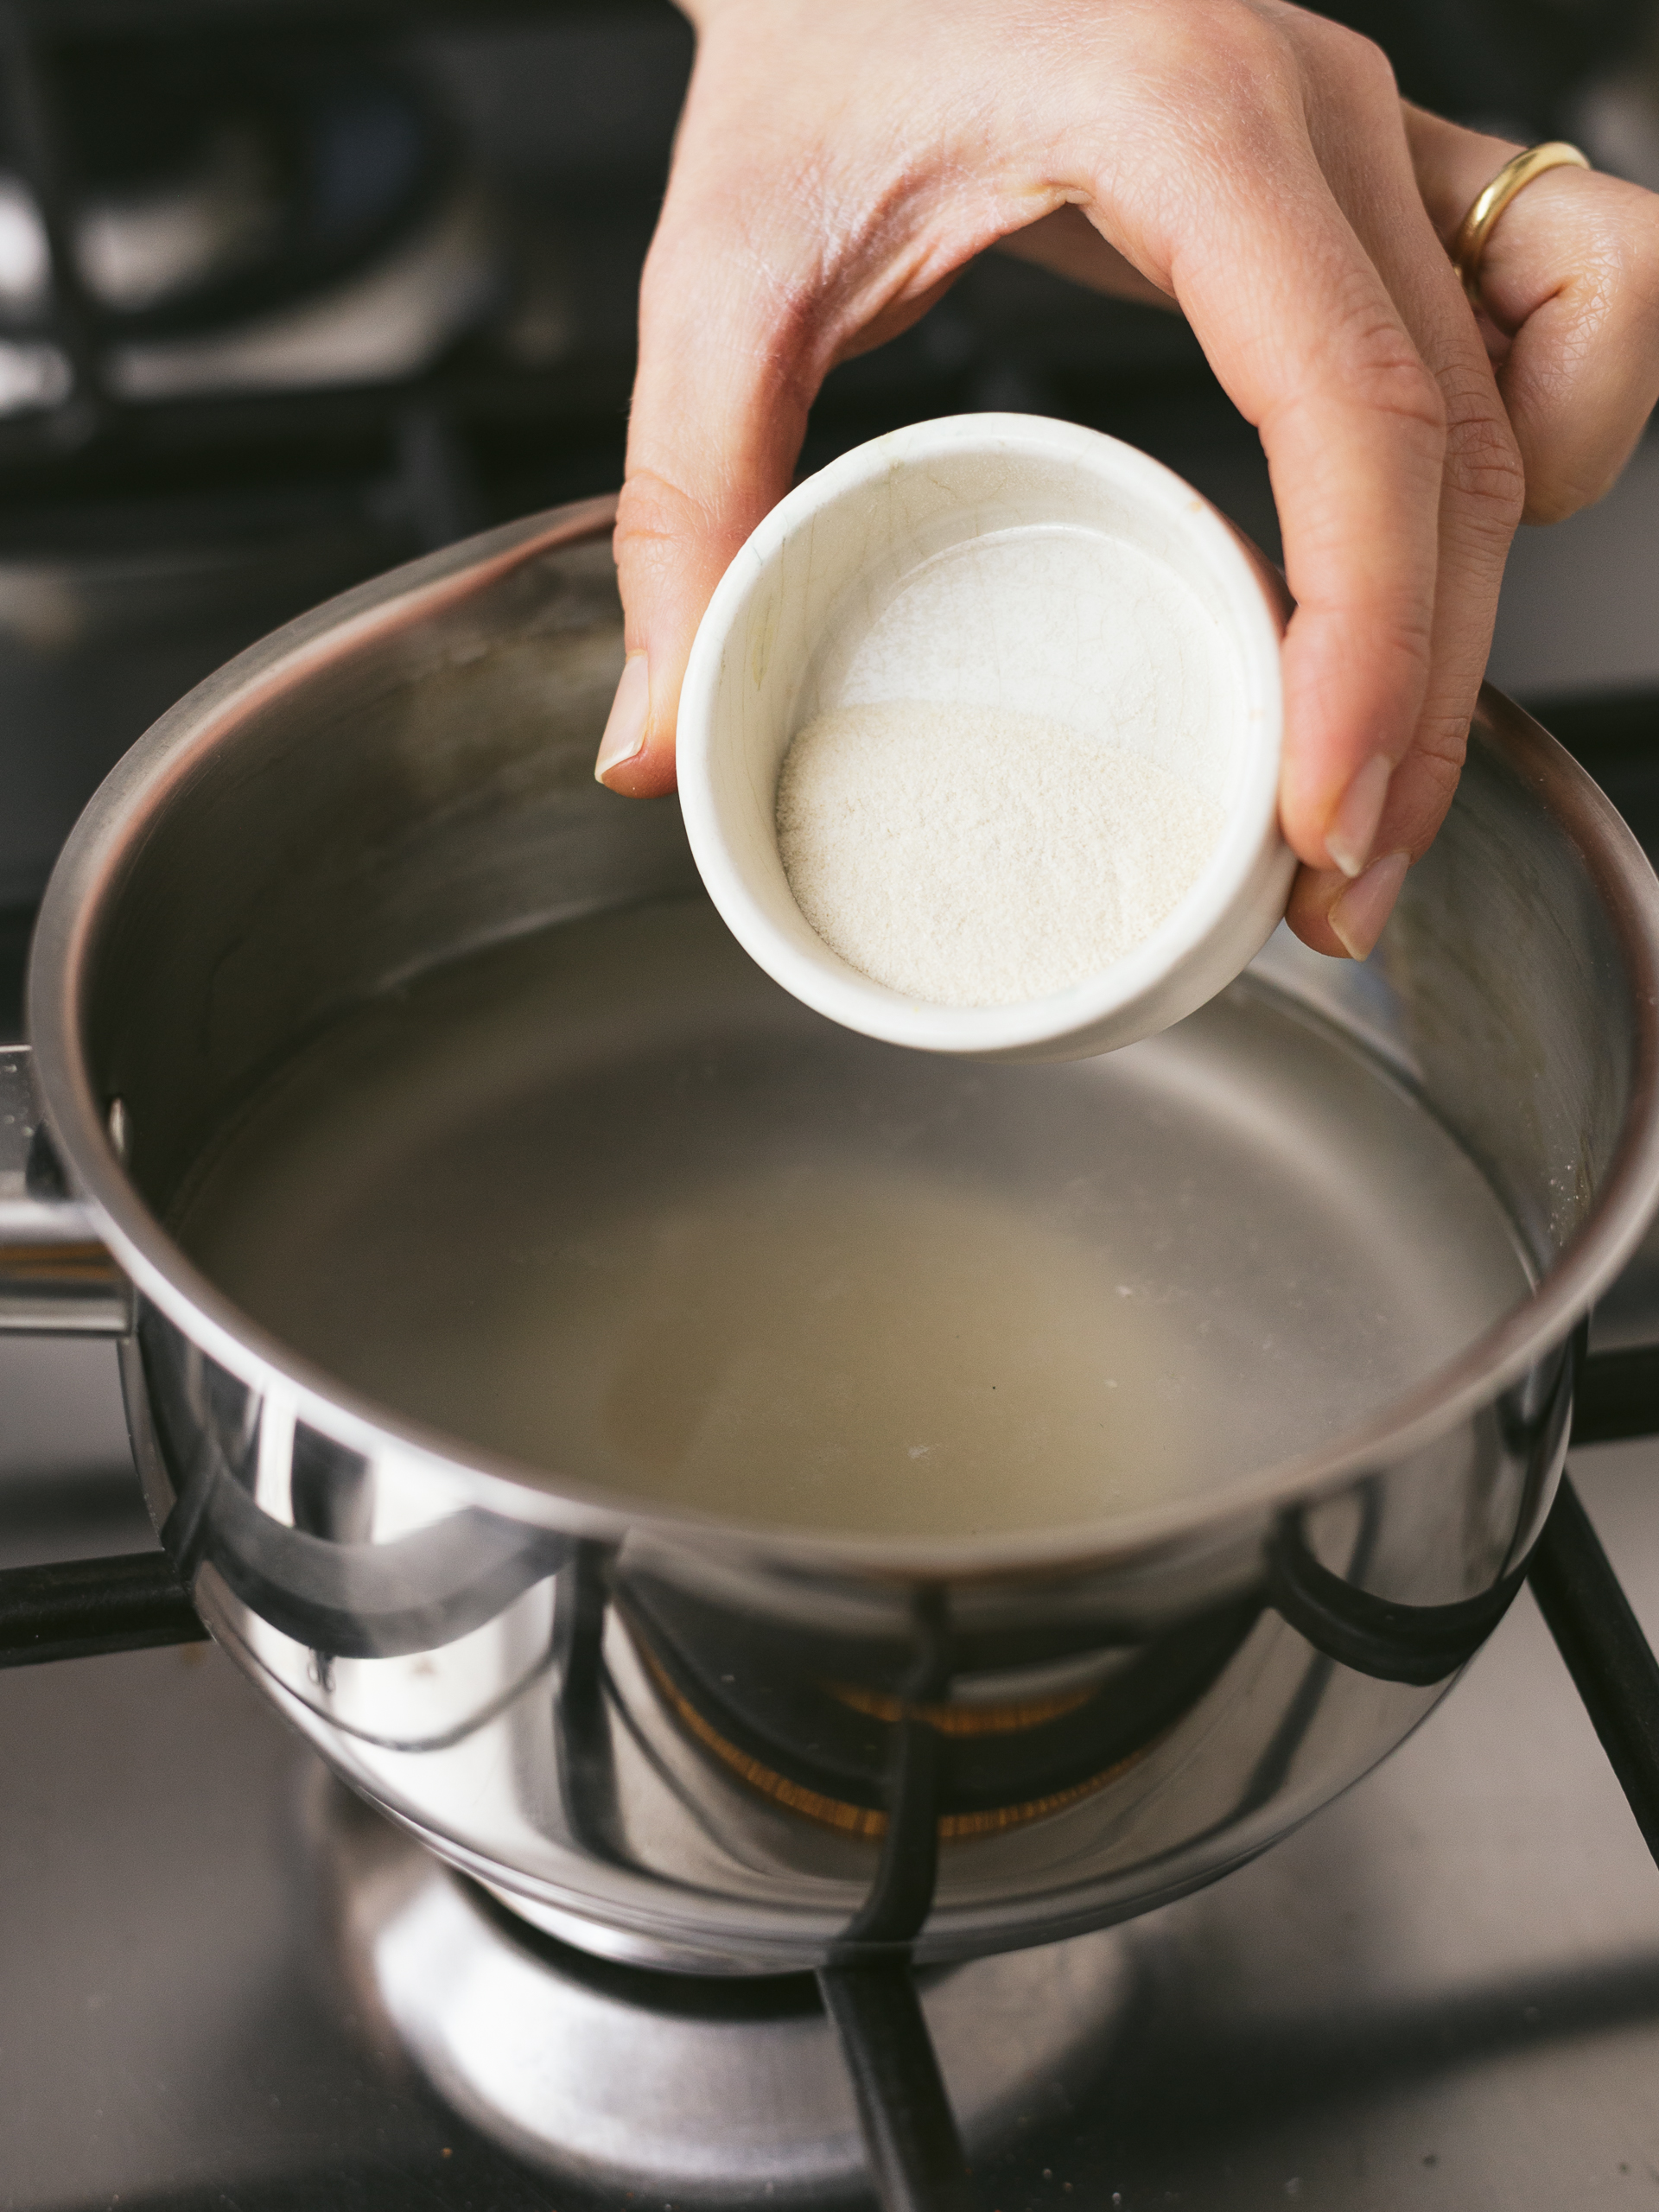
(608, 1201)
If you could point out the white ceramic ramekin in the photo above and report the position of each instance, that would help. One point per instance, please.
(979, 559)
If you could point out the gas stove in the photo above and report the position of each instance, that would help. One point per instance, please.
(223, 1983)
(226, 1983)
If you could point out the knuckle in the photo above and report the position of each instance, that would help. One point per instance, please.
(1442, 742)
(1390, 377)
(1360, 64)
(1616, 241)
(1371, 67)
(1241, 82)
(1248, 47)
(1426, 783)
(1483, 461)
(1369, 354)
(654, 513)
(1409, 627)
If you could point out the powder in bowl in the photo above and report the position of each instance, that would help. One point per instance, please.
(972, 856)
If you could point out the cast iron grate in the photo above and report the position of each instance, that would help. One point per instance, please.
(84, 1607)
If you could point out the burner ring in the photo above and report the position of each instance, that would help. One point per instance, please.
(866, 1820)
(723, 2089)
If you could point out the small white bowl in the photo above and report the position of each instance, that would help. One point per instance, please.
(980, 560)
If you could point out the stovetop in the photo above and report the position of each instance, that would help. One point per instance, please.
(1443, 1992)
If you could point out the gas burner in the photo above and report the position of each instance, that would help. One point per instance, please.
(724, 2088)
(1016, 1742)
(243, 223)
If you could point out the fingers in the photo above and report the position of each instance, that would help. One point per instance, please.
(1342, 918)
(1481, 493)
(767, 268)
(730, 359)
(1276, 200)
(1570, 281)
(716, 424)
(1303, 333)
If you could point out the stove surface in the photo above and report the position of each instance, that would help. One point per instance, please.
(1443, 1992)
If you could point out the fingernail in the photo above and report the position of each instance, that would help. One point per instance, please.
(624, 730)
(1352, 829)
(1358, 915)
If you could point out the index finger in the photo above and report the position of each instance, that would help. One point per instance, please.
(718, 417)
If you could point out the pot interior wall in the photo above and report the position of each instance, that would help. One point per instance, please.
(428, 787)
(427, 792)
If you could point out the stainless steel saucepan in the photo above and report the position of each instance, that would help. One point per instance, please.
(751, 1495)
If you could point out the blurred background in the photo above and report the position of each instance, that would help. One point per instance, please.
(289, 294)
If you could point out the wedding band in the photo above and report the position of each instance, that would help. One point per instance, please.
(1477, 225)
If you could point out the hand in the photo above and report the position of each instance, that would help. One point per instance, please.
(840, 160)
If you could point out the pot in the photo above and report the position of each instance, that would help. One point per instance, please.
(1333, 1235)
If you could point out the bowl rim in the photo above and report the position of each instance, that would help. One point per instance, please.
(114, 823)
(1208, 914)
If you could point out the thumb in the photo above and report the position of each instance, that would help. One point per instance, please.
(719, 413)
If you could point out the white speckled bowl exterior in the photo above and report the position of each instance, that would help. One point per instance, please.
(987, 560)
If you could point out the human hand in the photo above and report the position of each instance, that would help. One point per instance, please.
(837, 165)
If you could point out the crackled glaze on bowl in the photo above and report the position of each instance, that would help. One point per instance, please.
(996, 560)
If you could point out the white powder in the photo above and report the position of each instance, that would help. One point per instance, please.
(970, 857)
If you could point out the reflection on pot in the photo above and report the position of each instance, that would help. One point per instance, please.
(698, 1712)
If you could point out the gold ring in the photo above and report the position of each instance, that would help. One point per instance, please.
(1477, 225)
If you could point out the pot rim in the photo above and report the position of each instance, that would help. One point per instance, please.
(171, 752)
